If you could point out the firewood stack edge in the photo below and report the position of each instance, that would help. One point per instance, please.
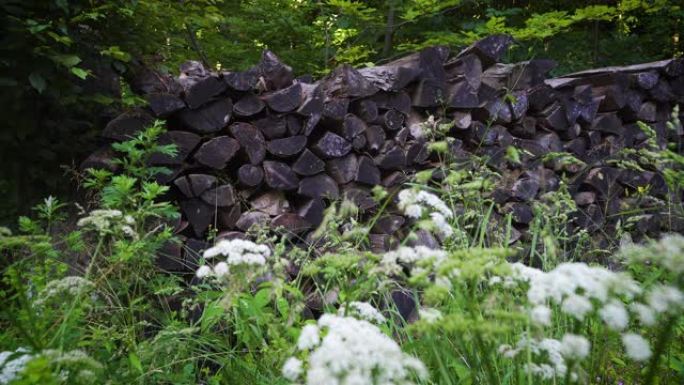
(265, 147)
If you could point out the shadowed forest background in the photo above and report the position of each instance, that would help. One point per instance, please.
(64, 64)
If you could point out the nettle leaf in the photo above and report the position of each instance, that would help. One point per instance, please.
(38, 82)
(80, 72)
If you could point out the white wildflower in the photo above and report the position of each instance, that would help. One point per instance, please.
(441, 224)
(413, 211)
(494, 280)
(614, 315)
(644, 313)
(72, 286)
(221, 269)
(415, 204)
(541, 315)
(575, 347)
(668, 252)
(292, 369)
(204, 271)
(636, 347)
(355, 351)
(104, 221)
(547, 353)
(362, 310)
(391, 263)
(12, 363)
(663, 298)
(576, 306)
(238, 252)
(430, 315)
(309, 337)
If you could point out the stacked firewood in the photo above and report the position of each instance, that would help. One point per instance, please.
(262, 146)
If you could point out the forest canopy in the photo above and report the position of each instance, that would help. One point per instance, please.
(65, 63)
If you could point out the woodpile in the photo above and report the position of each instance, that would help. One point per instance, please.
(265, 147)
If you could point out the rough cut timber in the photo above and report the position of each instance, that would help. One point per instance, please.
(264, 147)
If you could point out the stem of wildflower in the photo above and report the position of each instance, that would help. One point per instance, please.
(89, 269)
(568, 372)
(661, 343)
(479, 341)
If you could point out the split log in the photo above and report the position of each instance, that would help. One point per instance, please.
(367, 172)
(271, 126)
(217, 152)
(286, 147)
(248, 105)
(209, 118)
(319, 186)
(331, 146)
(250, 175)
(291, 223)
(271, 202)
(221, 196)
(343, 170)
(280, 176)
(193, 185)
(251, 141)
(285, 100)
(185, 143)
(308, 164)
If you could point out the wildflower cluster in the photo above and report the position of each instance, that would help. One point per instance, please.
(667, 253)
(12, 363)
(362, 310)
(417, 204)
(393, 262)
(106, 221)
(346, 351)
(552, 358)
(238, 253)
(72, 287)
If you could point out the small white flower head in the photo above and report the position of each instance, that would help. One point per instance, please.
(355, 351)
(663, 298)
(292, 369)
(12, 363)
(495, 280)
(541, 315)
(362, 310)
(309, 337)
(221, 269)
(614, 315)
(644, 313)
(636, 347)
(105, 221)
(239, 251)
(392, 261)
(415, 204)
(430, 315)
(413, 211)
(57, 289)
(204, 271)
(576, 306)
(549, 361)
(441, 224)
(575, 347)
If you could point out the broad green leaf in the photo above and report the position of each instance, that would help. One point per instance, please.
(81, 73)
(67, 60)
(38, 82)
